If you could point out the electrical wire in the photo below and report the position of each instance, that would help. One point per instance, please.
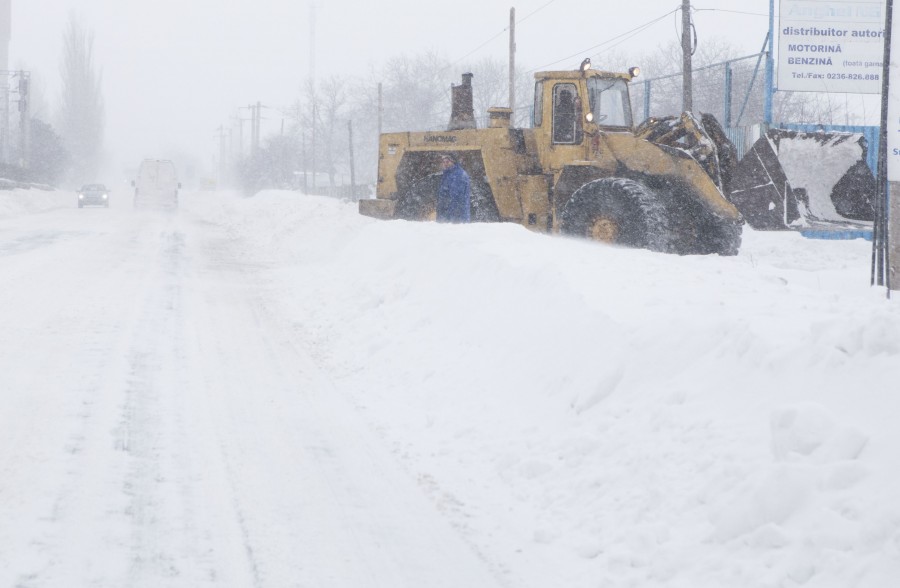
(626, 34)
(505, 29)
(533, 12)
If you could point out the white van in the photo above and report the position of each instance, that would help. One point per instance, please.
(156, 185)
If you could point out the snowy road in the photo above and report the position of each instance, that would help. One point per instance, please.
(161, 427)
(277, 392)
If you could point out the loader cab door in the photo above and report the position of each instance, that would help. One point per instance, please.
(566, 115)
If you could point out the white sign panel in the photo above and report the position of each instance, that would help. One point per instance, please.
(831, 46)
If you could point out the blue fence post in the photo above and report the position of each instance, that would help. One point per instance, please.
(770, 65)
(727, 106)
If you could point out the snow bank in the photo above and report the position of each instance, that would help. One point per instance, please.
(19, 201)
(594, 416)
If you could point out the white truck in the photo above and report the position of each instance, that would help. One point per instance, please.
(156, 185)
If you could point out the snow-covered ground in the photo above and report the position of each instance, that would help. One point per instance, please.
(276, 391)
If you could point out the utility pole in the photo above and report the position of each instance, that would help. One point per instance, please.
(252, 110)
(512, 64)
(352, 172)
(5, 35)
(4, 123)
(314, 145)
(258, 126)
(25, 118)
(686, 49)
(380, 109)
(303, 157)
(255, 116)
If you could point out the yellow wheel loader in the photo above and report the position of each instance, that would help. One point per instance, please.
(581, 170)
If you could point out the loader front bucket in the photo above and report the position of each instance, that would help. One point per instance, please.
(796, 180)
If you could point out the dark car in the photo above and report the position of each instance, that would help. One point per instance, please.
(93, 195)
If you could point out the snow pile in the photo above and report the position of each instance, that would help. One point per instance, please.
(594, 416)
(833, 155)
(19, 201)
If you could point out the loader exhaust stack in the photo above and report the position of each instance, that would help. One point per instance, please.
(462, 113)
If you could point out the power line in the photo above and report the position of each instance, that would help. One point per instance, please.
(627, 35)
(533, 12)
(505, 29)
(477, 48)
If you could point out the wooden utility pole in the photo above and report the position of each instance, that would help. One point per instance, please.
(512, 64)
(25, 119)
(686, 49)
(352, 170)
(258, 126)
(380, 109)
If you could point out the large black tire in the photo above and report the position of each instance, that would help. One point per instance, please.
(419, 202)
(619, 211)
(719, 236)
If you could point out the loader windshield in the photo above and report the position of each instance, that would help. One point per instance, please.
(609, 102)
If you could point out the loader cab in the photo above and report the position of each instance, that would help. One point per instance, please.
(571, 109)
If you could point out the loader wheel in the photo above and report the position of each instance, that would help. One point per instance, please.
(617, 210)
(419, 202)
(720, 236)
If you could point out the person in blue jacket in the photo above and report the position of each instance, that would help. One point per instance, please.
(455, 194)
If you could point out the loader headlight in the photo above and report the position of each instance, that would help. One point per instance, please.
(80, 196)
(634, 71)
(105, 196)
(589, 117)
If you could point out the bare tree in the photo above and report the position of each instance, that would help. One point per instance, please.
(81, 116)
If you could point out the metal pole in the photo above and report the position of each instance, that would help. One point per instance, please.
(512, 64)
(770, 66)
(686, 47)
(728, 84)
(646, 99)
(878, 226)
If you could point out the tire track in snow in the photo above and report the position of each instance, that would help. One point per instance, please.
(319, 480)
(170, 544)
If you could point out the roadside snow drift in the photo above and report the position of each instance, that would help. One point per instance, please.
(577, 414)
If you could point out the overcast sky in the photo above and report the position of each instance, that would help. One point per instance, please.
(174, 70)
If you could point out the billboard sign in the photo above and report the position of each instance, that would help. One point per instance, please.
(832, 46)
